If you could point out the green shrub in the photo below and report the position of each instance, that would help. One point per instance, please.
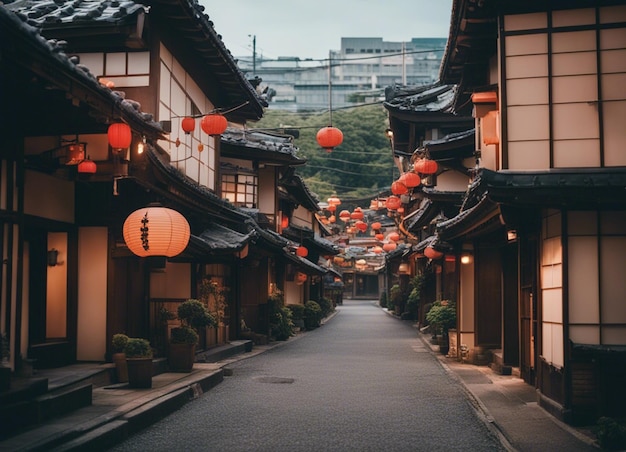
(281, 326)
(184, 335)
(312, 315)
(118, 342)
(395, 297)
(326, 305)
(138, 348)
(611, 434)
(297, 311)
(195, 314)
(442, 316)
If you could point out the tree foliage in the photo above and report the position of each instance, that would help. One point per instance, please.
(362, 166)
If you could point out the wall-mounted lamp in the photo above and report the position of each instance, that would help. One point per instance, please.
(141, 146)
(466, 258)
(403, 268)
(53, 257)
(511, 235)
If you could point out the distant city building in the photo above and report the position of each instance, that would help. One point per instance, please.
(360, 71)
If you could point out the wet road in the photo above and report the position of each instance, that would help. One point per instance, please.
(363, 381)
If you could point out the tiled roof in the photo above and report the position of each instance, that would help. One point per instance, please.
(195, 32)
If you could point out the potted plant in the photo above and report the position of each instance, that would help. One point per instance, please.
(118, 343)
(442, 317)
(193, 315)
(139, 360)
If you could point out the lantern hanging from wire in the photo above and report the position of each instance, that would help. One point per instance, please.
(393, 236)
(393, 202)
(389, 246)
(329, 138)
(410, 179)
(188, 124)
(432, 253)
(357, 214)
(334, 201)
(214, 124)
(344, 215)
(379, 236)
(398, 188)
(376, 226)
(87, 166)
(156, 231)
(361, 225)
(302, 251)
(425, 166)
(119, 135)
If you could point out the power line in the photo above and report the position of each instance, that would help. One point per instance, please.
(345, 172)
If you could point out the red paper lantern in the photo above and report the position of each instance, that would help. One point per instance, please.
(332, 208)
(379, 236)
(361, 226)
(214, 124)
(344, 215)
(389, 246)
(425, 166)
(394, 236)
(119, 135)
(87, 167)
(432, 253)
(376, 226)
(357, 214)
(329, 138)
(398, 188)
(188, 124)
(410, 179)
(333, 200)
(393, 202)
(284, 222)
(302, 251)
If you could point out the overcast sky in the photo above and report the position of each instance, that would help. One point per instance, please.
(310, 28)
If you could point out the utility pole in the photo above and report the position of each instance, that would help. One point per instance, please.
(253, 54)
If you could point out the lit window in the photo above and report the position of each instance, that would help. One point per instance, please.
(240, 189)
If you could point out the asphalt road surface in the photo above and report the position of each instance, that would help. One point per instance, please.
(363, 381)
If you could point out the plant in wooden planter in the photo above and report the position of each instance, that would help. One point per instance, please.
(442, 317)
(139, 360)
(193, 315)
(118, 343)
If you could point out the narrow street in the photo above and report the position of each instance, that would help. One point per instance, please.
(362, 382)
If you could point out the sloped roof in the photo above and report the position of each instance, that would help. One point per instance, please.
(218, 239)
(429, 99)
(42, 76)
(294, 189)
(183, 25)
(266, 147)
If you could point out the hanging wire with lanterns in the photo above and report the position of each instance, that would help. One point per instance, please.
(329, 137)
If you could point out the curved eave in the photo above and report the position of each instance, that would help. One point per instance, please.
(243, 150)
(65, 95)
(480, 219)
(200, 38)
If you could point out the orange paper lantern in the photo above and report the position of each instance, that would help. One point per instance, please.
(302, 251)
(379, 236)
(361, 226)
(389, 246)
(394, 236)
(344, 215)
(376, 225)
(214, 124)
(156, 231)
(329, 138)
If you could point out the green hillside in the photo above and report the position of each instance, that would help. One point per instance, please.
(360, 167)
